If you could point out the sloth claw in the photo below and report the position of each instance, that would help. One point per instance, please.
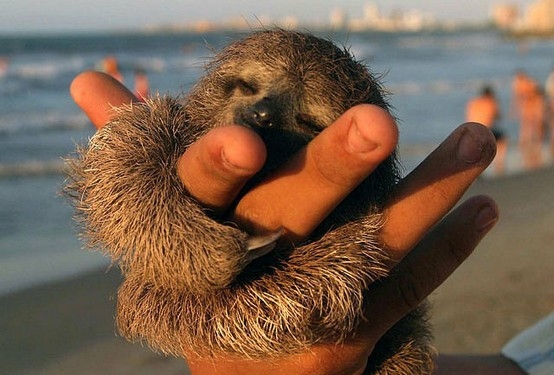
(261, 245)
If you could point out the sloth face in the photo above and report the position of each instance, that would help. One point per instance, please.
(286, 86)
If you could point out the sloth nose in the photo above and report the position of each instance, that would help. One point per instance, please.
(260, 114)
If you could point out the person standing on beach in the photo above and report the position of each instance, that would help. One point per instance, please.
(142, 86)
(529, 106)
(484, 109)
(110, 66)
(4, 64)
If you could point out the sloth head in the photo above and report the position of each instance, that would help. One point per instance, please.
(286, 85)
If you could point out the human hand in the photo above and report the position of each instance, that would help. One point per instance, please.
(426, 258)
(215, 171)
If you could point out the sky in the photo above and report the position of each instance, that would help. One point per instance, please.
(48, 16)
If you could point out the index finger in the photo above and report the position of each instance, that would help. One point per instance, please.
(97, 93)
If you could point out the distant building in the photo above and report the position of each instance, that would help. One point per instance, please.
(399, 20)
(539, 17)
(337, 19)
(289, 22)
(505, 16)
(372, 14)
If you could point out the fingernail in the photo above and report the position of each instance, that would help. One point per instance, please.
(485, 218)
(358, 142)
(470, 149)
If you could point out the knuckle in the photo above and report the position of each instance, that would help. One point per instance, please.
(409, 289)
(452, 248)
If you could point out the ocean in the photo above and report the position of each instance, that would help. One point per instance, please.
(430, 77)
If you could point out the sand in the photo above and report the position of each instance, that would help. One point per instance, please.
(67, 327)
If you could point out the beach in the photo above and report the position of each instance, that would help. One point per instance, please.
(67, 327)
(57, 300)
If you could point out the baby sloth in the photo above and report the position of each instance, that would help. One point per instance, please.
(192, 282)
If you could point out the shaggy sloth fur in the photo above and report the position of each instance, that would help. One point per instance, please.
(189, 285)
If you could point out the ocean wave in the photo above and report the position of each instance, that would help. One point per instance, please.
(32, 168)
(443, 86)
(18, 123)
(45, 67)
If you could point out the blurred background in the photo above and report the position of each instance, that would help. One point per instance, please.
(433, 57)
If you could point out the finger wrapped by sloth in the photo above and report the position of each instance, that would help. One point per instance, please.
(192, 281)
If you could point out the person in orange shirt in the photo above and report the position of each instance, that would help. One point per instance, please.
(485, 110)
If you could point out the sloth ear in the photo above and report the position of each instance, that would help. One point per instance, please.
(258, 246)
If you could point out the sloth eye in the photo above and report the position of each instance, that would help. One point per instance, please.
(245, 88)
(308, 123)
